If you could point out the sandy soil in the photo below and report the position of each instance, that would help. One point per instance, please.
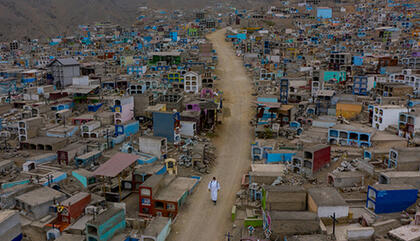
(200, 220)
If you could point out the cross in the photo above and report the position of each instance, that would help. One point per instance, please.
(228, 235)
(334, 221)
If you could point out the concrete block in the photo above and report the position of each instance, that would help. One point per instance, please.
(382, 228)
(290, 223)
(406, 233)
(358, 234)
(365, 166)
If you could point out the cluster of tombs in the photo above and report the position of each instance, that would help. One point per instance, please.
(336, 121)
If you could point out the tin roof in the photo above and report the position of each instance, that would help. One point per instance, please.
(116, 164)
(68, 61)
(65, 62)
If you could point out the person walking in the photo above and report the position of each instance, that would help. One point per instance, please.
(214, 188)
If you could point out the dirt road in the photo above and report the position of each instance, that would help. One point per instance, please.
(200, 220)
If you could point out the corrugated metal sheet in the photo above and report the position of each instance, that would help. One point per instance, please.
(116, 164)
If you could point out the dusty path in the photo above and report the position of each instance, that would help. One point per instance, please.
(200, 220)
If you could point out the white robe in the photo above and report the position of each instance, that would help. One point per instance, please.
(214, 186)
